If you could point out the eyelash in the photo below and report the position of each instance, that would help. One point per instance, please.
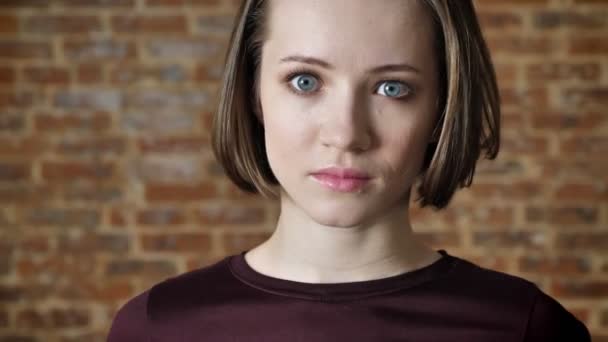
(301, 71)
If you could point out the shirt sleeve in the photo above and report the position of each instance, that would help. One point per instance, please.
(131, 321)
(550, 321)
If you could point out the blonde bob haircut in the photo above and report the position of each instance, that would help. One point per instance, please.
(468, 124)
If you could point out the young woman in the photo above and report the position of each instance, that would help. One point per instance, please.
(336, 108)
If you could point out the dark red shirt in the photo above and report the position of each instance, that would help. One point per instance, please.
(449, 300)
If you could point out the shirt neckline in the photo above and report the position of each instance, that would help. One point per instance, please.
(340, 291)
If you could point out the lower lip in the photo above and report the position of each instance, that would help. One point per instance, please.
(341, 184)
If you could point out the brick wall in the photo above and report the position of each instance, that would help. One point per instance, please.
(108, 184)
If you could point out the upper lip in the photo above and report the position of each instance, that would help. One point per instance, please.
(343, 172)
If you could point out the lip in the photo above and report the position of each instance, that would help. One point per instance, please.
(342, 179)
(343, 173)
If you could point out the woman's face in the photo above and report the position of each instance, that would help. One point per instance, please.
(324, 105)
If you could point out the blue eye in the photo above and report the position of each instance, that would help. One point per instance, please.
(304, 82)
(395, 88)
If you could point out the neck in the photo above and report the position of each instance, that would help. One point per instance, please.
(303, 250)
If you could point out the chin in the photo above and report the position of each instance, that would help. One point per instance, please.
(339, 216)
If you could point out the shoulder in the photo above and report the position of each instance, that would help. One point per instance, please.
(550, 321)
(165, 300)
(543, 317)
(193, 289)
(130, 322)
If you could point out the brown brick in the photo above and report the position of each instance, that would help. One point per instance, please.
(17, 98)
(4, 319)
(177, 242)
(9, 23)
(65, 318)
(98, 50)
(582, 192)
(161, 217)
(98, 3)
(70, 171)
(444, 239)
(102, 146)
(63, 24)
(583, 241)
(582, 289)
(14, 172)
(96, 122)
(149, 24)
(510, 239)
(230, 214)
(21, 147)
(499, 20)
(236, 243)
(7, 74)
(46, 216)
(173, 144)
(539, 73)
(179, 192)
(24, 3)
(46, 75)
(579, 121)
(94, 243)
(524, 144)
(588, 46)
(522, 190)
(15, 49)
(558, 266)
(552, 19)
(89, 74)
(584, 145)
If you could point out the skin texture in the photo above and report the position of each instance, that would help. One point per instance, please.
(346, 116)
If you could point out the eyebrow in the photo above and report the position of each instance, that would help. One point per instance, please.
(326, 65)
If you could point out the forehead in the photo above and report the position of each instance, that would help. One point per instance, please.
(340, 29)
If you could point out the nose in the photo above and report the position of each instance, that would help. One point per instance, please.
(346, 126)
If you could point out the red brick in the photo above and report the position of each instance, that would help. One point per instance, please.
(99, 50)
(499, 20)
(443, 239)
(21, 147)
(17, 98)
(14, 172)
(173, 144)
(527, 98)
(63, 24)
(89, 74)
(581, 289)
(149, 24)
(582, 192)
(176, 242)
(24, 3)
(578, 121)
(584, 145)
(9, 23)
(521, 45)
(102, 146)
(161, 217)
(582, 241)
(70, 171)
(585, 97)
(521, 190)
(510, 239)
(539, 73)
(230, 214)
(558, 266)
(167, 3)
(96, 122)
(179, 192)
(235, 243)
(46, 75)
(7, 74)
(589, 46)
(16, 49)
(98, 3)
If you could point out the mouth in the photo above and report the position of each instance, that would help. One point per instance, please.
(341, 179)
